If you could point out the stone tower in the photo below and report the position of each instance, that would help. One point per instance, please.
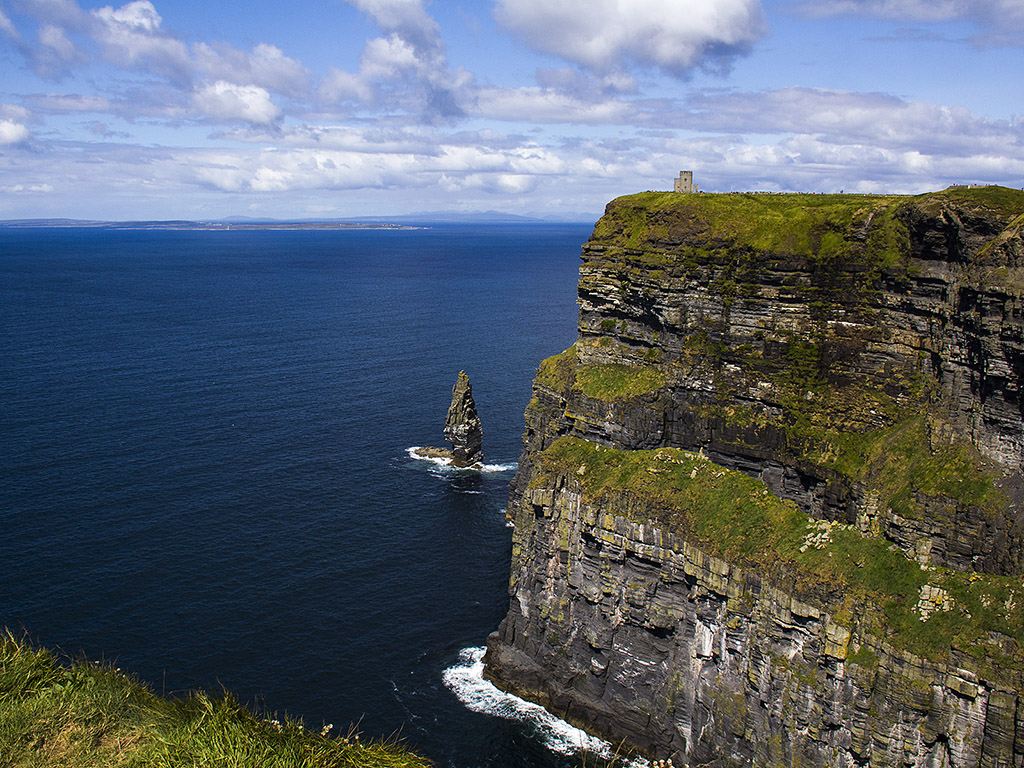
(685, 182)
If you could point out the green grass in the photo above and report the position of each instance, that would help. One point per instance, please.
(57, 713)
(816, 227)
(558, 371)
(812, 226)
(733, 516)
(607, 382)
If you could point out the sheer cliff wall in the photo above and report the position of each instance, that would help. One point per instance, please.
(768, 510)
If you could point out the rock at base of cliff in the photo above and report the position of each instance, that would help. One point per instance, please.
(461, 428)
(442, 456)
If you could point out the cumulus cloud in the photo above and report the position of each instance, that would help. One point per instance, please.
(407, 68)
(227, 101)
(266, 66)
(610, 35)
(132, 38)
(406, 18)
(12, 132)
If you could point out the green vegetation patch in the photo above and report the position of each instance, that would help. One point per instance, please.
(844, 242)
(859, 578)
(58, 714)
(900, 461)
(1002, 202)
(612, 381)
(816, 227)
(558, 372)
(607, 382)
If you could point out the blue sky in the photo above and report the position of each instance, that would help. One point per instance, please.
(346, 108)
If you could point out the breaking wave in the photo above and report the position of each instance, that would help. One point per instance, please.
(466, 680)
(447, 463)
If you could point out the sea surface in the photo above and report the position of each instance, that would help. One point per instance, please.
(204, 466)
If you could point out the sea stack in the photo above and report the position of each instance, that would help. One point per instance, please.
(462, 426)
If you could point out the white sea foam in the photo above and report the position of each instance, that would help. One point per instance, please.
(466, 680)
(447, 463)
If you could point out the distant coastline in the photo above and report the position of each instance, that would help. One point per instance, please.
(408, 221)
(197, 225)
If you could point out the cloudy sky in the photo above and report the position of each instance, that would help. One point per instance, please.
(323, 108)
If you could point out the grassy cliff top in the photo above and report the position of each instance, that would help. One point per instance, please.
(861, 579)
(817, 227)
(88, 715)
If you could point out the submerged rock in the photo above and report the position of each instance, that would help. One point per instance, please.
(461, 428)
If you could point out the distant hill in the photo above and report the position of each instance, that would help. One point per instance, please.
(247, 222)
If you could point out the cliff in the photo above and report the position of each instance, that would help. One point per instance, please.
(768, 510)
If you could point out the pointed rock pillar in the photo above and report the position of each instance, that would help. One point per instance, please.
(462, 426)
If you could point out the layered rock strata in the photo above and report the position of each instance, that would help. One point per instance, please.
(462, 425)
(462, 428)
(859, 360)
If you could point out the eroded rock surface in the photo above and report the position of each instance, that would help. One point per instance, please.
(462, 426)
(462, 429)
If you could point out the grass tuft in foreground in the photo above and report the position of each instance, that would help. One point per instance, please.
(79, 714)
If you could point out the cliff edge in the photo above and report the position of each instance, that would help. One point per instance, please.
(769, 506)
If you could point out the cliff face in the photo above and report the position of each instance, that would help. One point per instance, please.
(769, 505)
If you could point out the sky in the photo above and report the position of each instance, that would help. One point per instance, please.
(171, 109)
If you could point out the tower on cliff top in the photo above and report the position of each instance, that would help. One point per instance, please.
(685, 183)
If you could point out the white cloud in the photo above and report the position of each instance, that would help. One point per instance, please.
(609, 35)
(227, 101)
(845, 117)
(12, 132)
(406, 70)
(138, 15)
(7, 26)
(546, 105)
(131, 37)
(62, 13)
(388, 58)
(339, 86)
(14, 112)
(22, 188)
(407, 18)
(266, 66)
(57, 41)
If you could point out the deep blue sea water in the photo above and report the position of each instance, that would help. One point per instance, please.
(204, 470)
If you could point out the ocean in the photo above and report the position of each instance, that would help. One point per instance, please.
(205, 471)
